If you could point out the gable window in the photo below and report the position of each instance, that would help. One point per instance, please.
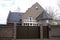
(36, 8)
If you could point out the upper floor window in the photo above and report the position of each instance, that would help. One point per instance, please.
(30, 18)
(36, 8)
(47, 21)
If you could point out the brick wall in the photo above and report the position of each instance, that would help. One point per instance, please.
(6, 32)
(55, 31)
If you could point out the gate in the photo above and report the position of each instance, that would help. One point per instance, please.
(27, 32)
(46, 31)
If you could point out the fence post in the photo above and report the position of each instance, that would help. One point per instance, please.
(50, 31)
(41, 32)
(15, 31)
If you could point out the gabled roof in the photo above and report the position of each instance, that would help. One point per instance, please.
(44, 16)
(14, 17)
(34, 11)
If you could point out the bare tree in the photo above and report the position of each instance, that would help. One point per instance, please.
(51, 12)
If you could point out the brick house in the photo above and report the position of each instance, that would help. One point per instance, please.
(29, 18)
(27, 25)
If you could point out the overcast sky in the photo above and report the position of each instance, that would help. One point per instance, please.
(13, 5)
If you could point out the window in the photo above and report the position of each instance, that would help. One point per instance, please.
(30, 18)
(36, 24)
(47, 21)
(24, 24)
(30, 23)
(36, 8)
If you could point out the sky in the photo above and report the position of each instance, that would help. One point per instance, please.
(22, 6)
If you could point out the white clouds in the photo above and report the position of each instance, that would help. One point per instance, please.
(24, 4)
(47, 3)
(4, 9)
(6, 5)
